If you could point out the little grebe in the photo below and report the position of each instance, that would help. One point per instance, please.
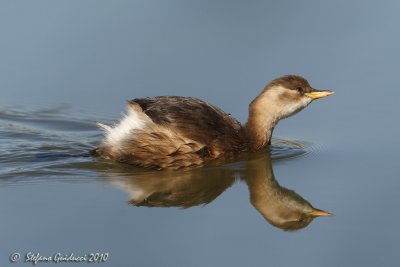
(172, 132)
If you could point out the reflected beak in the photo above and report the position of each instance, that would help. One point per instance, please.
(317, 212)
(315, 94)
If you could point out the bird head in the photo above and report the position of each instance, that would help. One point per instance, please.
(292, 212)
(288, 95)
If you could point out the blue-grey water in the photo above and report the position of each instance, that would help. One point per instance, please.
(66, 65)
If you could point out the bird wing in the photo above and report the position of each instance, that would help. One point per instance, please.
(196, 120)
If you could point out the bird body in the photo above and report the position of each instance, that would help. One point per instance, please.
(172, 132)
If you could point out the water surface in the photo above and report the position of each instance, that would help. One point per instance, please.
(69, 64)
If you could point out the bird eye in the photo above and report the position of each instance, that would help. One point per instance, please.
(300, 90)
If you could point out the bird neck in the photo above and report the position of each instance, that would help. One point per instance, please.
(265, 191)
(263, 117)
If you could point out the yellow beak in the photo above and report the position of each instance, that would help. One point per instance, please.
(315, 94)
(317, 212)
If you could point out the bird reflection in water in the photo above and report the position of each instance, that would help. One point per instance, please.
(281, 207)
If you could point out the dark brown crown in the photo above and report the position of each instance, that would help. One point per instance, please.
(293, 82)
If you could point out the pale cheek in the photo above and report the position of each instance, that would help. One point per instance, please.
(306, 101)
(295, 107)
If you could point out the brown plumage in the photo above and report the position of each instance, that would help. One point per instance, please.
(172, 132)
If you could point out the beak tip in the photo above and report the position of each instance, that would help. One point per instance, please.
(316, 94)
(318, 212)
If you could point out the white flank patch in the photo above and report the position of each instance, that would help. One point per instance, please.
(131, 121)
(136, 193)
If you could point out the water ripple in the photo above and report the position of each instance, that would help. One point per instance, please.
(284, 149)
(52, 144)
